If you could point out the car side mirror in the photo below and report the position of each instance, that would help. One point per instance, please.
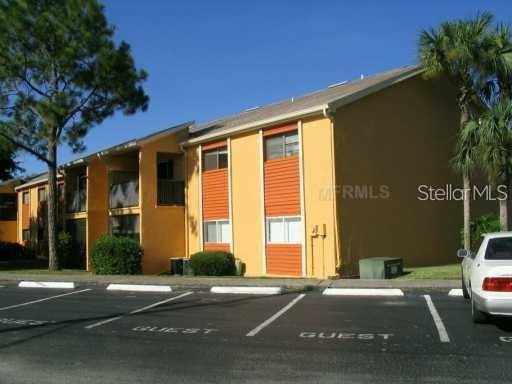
(462, 253)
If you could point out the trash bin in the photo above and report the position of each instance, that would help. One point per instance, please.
(187, 271)
(380, 268)
(176, 265)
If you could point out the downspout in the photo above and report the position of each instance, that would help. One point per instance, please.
(328, 113)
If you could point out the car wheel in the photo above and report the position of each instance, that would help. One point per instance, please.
(465, 292)
(477, 315)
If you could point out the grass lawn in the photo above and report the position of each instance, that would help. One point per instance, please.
(441, 272)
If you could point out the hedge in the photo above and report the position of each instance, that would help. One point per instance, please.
(213, 263)
(114, 255)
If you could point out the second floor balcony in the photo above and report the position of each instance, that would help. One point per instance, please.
(124, 189)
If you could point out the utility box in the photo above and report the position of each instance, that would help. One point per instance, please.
(380, 268)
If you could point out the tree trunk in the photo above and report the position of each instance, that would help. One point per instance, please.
(503, 215)
(53, 262)
(467, 211)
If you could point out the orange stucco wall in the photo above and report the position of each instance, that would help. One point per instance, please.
(397, 139)
(162, 227)
(9, 229)
(97, 204)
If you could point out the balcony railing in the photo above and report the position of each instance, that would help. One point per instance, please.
(171, 192)
(125, 194)
(76, 201)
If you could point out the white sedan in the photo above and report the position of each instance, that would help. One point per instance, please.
(487, 276)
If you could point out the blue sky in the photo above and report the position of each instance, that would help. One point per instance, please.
(208, 59)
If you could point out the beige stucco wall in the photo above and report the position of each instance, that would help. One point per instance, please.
(9, 229)
(400, 138)
(192, 201)
(246, 198)
(162, 227)
(318, 210)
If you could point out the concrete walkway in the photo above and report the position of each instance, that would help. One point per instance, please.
(208, 282)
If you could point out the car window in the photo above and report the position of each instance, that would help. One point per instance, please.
(499, 249)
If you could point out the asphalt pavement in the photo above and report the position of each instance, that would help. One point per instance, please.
(90, 335)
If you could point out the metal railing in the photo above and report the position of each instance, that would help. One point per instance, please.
(171, 192)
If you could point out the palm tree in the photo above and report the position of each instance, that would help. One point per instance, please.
(452, 51)
(496, 149)
(496, 67)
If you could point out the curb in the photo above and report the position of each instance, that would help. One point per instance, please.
(362, 292)
(46, 284)
(247, 290)
(139, 288)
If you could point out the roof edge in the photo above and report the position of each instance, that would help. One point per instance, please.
(318, 109)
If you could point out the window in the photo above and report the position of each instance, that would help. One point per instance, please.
(215, 159)
(41, 195)
(170, 190)
(499, 249)
(125, 225)
(284, 145)
(26, 198)
(165, 170)
(284, 230)
(217, 232)
(77, 194)
(25, 235)
(8, 204)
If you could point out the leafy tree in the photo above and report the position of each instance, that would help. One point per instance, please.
(8, 164)
(61, 73)
(453, 51)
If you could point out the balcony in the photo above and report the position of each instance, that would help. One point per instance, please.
(124, 189)
(76, 201)
(171, 192)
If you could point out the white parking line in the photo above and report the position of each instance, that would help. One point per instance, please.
(46, 284)
(362, 292)
(455, 292)
(139, 288)
(443, 334)
(274, 317)
(103, 322)
(45, 299)
(248, 290)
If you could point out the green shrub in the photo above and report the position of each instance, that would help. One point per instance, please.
(113, 255)
(13, 251)
(483, 224)
(64, 249)
(213, 263)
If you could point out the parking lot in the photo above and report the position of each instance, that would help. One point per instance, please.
(92, 335)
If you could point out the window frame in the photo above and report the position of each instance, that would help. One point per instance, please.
(219, 239)
(283, 152)
(135, 235)
(39, 190)
(25, 193)
(217, 152)
(285, 221)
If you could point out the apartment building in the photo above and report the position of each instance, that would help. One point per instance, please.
(303, 187)
(8, 210)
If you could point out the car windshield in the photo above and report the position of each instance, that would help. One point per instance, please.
(499, 249)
